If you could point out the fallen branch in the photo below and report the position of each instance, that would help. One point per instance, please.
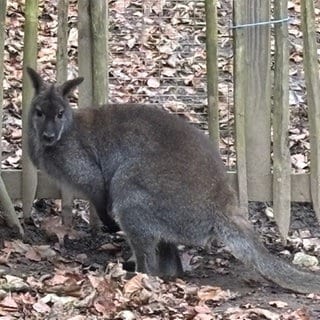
(9, 213)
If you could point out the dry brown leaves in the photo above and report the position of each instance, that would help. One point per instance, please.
(73, 292)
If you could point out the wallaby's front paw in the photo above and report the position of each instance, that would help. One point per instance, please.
(114, 229)
(129, 266)
(111, 228)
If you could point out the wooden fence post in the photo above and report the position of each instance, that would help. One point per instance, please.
(85, 53)
(281, 154)
(62, 75)
(93, 61)
(311, 71)
(99, 46)
(99, 24)
(240, 85)
(30, 51)
(256, 76)
(212, 70)
(62, 41)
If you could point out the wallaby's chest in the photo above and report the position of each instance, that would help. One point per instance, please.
(74, 166)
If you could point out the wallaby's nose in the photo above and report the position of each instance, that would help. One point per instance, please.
(48, 137)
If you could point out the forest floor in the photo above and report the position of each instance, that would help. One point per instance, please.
(55, 273)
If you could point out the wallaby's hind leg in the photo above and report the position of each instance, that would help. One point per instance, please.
(141, 239)
(145, 255)
(170, 265)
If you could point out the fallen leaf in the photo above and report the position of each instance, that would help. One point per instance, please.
(36, 284)
(41, 307)
(203, 316)
(126, 315)
(14, 283)
(213, 293)
(16, 246)
(236, 313)
(53, 298)
(8, 303)
(45, 251)
(306, 260)
(202, 309)
(32, 255)
(299, 314)
(153, 83)
(134, 284)
(78, 317)
(110, 247)
(58, 279)
(5, 258)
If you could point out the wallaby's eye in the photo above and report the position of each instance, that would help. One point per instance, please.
(39, 113)
(60, 114)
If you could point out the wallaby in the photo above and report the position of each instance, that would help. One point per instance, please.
(157, 176)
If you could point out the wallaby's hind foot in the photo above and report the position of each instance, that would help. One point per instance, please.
(170, 265)
(146, 258)
(168, 260)
(100, 211)
(111, 225)
(129, 266)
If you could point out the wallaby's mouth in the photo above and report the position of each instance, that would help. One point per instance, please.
(49, 144)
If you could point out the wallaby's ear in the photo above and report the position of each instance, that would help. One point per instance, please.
(69, 85)
(36, 80)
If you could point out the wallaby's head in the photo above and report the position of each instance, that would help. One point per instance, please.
(50, 112)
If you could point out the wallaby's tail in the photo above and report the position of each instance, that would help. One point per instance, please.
(244, 244)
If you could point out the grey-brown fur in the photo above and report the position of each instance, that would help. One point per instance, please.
(160, 178)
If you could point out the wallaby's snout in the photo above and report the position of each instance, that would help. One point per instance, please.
(48, 138)
(50, 130)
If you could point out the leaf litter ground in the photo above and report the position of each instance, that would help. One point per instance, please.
(56, 273)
